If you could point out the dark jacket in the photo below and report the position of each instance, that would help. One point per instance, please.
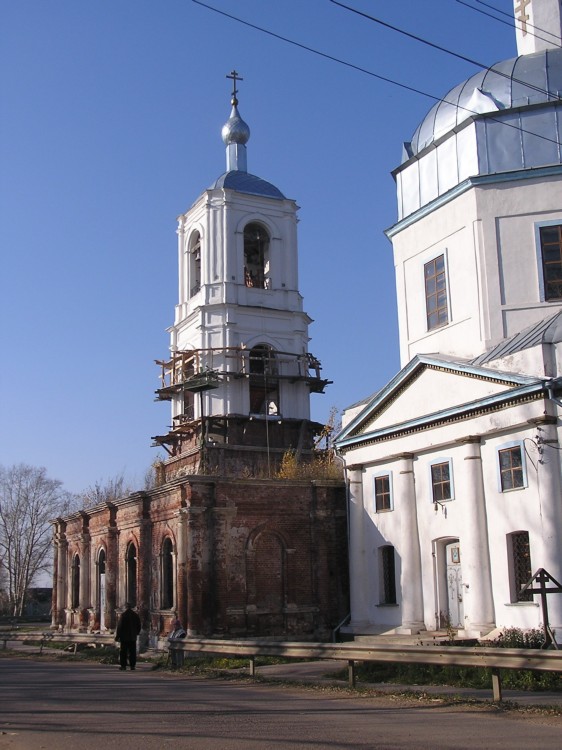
(128, 627)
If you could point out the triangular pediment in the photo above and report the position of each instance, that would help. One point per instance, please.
(429, 387)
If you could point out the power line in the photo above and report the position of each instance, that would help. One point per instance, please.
(391, 81)
(441, 49)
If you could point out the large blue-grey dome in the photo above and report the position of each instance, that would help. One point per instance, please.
(521, 81)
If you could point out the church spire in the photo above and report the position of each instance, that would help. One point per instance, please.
(235, 133)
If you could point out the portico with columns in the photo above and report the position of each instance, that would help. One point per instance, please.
(459, 454)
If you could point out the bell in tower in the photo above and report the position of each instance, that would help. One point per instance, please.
(239, 376)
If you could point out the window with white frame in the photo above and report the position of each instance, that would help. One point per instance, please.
(436, 302)
(512, 473)
(441, 478)
(382, 491)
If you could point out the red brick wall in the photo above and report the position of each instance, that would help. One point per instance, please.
(261, 557)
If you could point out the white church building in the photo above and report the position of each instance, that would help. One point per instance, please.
(454, 467)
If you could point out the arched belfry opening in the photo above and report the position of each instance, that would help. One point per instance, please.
(194, 264)
(256, 256)
(264, 381)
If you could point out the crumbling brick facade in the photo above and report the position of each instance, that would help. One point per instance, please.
(232, 557)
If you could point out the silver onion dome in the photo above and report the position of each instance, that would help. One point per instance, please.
(235, 130)
(520, 82)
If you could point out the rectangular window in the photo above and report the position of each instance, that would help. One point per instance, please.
(388, 575)
(551, 255)
(512, 474)
(441, 481)
(521, 566)
(383, 492)
(436, 305)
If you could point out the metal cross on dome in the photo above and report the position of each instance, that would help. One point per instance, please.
(234, 77)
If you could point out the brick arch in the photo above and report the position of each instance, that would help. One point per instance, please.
(266, 579)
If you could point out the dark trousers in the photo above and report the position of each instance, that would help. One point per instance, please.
(128, 651)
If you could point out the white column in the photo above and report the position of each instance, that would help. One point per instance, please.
(411, 600)
(62, 573)
(358, 574)
(548, 555)
(474, 545)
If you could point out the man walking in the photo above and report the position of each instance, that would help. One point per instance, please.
(128, 628)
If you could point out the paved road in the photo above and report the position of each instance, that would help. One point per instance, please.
(50, 705)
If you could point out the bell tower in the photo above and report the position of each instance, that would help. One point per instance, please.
(239, 375)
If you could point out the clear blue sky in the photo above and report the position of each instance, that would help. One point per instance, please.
(110, 128)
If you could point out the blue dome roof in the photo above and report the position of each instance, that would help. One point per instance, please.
(243, 182)
(521, 81)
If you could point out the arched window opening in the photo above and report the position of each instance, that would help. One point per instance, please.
(194, 280)
(167, 567)
(101, 588)
(264, 381)
(131, 575)
(256, 257)
(75, 583)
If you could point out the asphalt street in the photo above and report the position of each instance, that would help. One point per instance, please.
(53, 705)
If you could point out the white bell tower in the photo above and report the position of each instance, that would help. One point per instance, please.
(240, 375)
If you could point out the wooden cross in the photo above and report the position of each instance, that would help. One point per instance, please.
(523, 16)
(235, 77)
(542, 577)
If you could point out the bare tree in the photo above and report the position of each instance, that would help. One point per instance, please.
(105, 491)
(28, 501)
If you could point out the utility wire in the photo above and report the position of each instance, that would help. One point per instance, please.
(510, 23)
(420, 39)
(325, 55)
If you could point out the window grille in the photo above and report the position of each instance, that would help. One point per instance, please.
(522, 573)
